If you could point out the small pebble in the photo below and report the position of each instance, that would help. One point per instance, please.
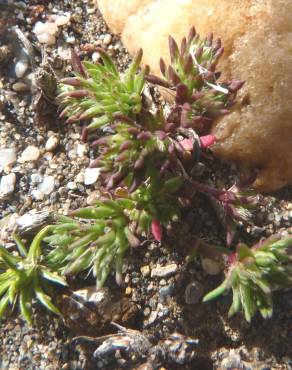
(62, 20)
(107, 39)
(128, 290)
(52, 143)
(164, 271)
(19, 87)
(7, 157)
(211, 267)
(70, 39)
(71, 185)
(145, 270)
(31, 153)
(7, 184)
(47, 186)
(36, 178)
(20, 68)
(95, 57)
(193, 293)
(81, 150)
(91, 175)
(37, 195)
(152, 317)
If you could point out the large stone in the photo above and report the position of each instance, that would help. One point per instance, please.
(257, 36)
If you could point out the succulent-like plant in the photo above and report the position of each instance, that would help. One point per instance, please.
(253, 273)
(24, 277)
(199, 95)
(98, 92)
(113, 226)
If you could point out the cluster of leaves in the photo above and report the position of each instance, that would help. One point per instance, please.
(24, 277)
(252, 274)
(148, 160)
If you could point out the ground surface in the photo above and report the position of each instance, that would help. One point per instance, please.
(52, 178)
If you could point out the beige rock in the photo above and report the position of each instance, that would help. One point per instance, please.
(257, 36)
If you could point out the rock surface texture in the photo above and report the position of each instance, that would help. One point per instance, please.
(257, 36)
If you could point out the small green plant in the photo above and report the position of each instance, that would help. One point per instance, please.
(253, 273)
(24, 277)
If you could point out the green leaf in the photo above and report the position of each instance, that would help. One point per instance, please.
(46, 300)
(236, 303)
(10, 260)
(25, 305)
(34, 250)
(53, 277)
(3, 304)
(20, 246)
(247, 301)
(216, 292)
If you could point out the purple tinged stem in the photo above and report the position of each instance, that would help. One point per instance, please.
(121, 118)
(157, 81)
(173, 76)
(77, 94)
(100, 141)
(160, 134)
(84, 134)
(199, 53)
(125, 146)
(181, 93)
(144, 135)
(115, 179)
(169, 127)
(209, 39)
(76, 63)
(71, 81)
(188, 66)
(183, 47)
(191, 35)
(137, 180)
(235, 85)
(173, 49)
(162, 66)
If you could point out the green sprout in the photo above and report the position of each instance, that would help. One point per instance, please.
(26, 277)
(98, 92)
(253, 274)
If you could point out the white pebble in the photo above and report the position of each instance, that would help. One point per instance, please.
(211, 267)
(37, 195)
(7, 157)
(36, 178)
(64, 52)
(95, 57)
(19, 87)
(52, 143)
(70, 39)
(47, 186)
(46, 32)
(80, 177)
(81, 150)
(31, 153)
(45, 28)
(20, 68)
(62, 20)
(107, 39)
(90, 10)
(46, 38)
(91, 175)
(164, 271)
(7, 184)
(39, 28)
(71, 185)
